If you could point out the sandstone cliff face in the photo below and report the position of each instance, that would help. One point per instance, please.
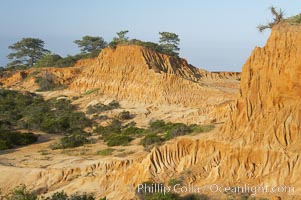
(259, 144)
(268, 109)
(139, 74)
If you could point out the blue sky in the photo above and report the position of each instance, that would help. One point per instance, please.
(215, 34)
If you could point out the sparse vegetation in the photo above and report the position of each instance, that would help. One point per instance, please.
(119, 140)
(160, 131)
(58, 196)
(106, 131)
(30, 111)
(30, 52)
(202, 129)
(133, 131)
(195, 197)
(157, 132)
(174, 181)
(124, 154)
(98, 108)
(47, 82)
(67, 61)
(178, 130)
(10, 140)
(44, 152)
(100, 117)
(151, 139)
(48, 60)
(120, 39)
(72, 140)
(239, 196)
(91, 91)
(169, 42)
(124, 115)
(115, 134)
(294, 19)
(278, 17)
(22, 193)
(105, 152)
(81, 197)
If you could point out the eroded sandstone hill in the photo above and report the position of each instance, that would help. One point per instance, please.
(268, 109)
(140, 74)
(259, 144)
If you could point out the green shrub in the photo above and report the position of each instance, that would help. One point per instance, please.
(133, 131)
(113, 128)
(82, 197)
(132, 123)
(21, 193)
(91, 91)
(48, 60)
(97, 108)
(157, 132)
(201, 129)
(151, 139)
(178, 130)
(92, 54)
(150, 45)
(68, 61)
(92, 109)
(174, 181)
(105, 152)
(157, 126)
(171, 129)
(195, 197)
(47, 83)
(114, 105)
(12, 139)
(73, 140)
(161, 196)
(58, 196)
(30, 111)
(100, 117)
(294, 19)
(124, 115)
(118, 140)
(54, 60)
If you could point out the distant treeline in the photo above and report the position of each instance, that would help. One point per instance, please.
(30, 52)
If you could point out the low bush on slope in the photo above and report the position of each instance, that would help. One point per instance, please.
(31, 112)
(22, 193)
(157, 132)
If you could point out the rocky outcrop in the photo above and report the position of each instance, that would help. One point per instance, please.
(137, 74)
(259, 143)
(140, 74)
(268, 109)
